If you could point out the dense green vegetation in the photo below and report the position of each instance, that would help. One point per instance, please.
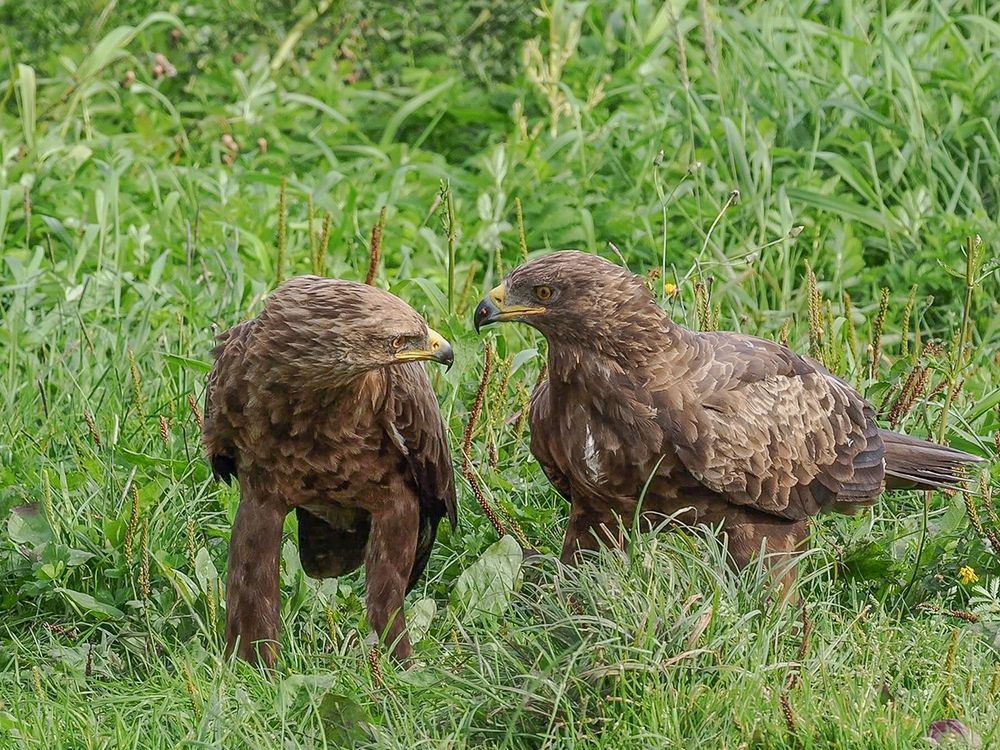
(727, 152)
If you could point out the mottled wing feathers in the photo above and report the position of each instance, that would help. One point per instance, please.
(418, 429)
(771, 430)
(224, 400)
(414, 422)
(544, 442)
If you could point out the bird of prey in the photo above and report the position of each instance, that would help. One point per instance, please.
(747, 434)
(321, 404)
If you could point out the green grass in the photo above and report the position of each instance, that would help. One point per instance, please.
(129, 228)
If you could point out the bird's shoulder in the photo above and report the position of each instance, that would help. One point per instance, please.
(225, 396)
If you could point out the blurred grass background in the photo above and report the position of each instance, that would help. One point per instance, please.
(820, 173)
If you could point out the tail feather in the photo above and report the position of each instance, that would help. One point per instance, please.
(912, 463)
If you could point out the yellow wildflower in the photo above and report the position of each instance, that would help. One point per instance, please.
(669, 289)
(967, 575)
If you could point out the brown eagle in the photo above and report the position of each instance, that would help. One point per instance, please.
(745, 432)
(321, 404)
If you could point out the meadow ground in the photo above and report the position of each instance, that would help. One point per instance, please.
(818, 173)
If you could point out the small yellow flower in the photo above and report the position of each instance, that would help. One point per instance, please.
(669, 289)
(967, 575)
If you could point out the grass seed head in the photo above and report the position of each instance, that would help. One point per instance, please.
(279, 271)
(136, 377)
(852, 331)
(785, 333)
(708, 37)
(193, 406)
(904, 327)
(322, 247)
(375, 248)
(474, 414)
(92, 428)
(877, 327)
(36, 683)
(786, 712)
(192, 691)
(144, 586)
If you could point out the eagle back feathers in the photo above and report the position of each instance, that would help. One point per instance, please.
(767, 428)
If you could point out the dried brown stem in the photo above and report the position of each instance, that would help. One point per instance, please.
(960, 614)
(375, 248)
(474, 415)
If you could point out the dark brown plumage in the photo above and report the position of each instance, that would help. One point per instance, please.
(742, 430)
(321, 404)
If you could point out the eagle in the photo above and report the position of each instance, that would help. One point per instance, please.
(321, 404)
(716, 428)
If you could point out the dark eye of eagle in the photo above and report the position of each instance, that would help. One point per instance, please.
(543, 292)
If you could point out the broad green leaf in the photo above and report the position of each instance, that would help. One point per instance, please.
(205, 570)
(985, 404)
(850, 174)
(87, 604)
(419, 618)
(869, 561)
(112, 45)
(66, 555)
(485, 587)
(197, 365)
(301, 688)
(186, 588)
(27, 525)
(738, 151)
(26, 87)
(344, 720)
(521, 358)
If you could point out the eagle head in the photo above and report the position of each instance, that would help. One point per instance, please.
(319, 330)
(573, 297)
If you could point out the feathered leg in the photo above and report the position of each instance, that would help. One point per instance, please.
(782, 541)
(588, 529)
(389, 559)
(253, 605)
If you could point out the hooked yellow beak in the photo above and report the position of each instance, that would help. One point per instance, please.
(438, 349)
(493, 310)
